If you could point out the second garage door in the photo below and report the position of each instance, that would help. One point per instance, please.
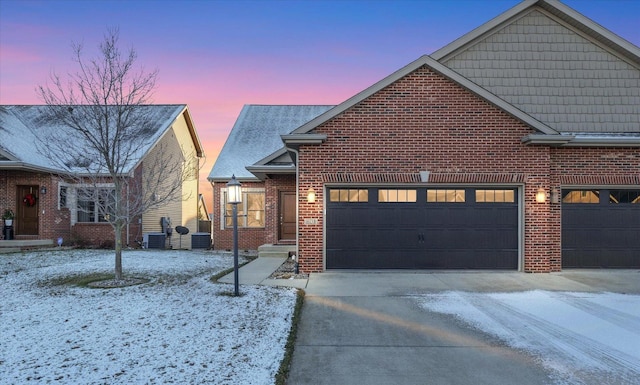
(425, 228)
(601, 228)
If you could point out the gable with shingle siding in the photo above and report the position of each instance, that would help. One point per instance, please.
(557, 75)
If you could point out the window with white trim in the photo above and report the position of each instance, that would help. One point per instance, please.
(63, 196)
(95, 205)
(250, 210)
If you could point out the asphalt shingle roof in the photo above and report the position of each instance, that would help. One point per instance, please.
(256, 135)
(20, 124)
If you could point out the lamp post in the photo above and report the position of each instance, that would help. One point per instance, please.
(234, 196)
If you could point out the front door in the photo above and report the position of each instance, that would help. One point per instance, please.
(287, 216)
(26, 221)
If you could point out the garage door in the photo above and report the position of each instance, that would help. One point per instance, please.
(408, 228)
(601, 228)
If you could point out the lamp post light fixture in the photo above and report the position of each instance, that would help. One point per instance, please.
(234, 196)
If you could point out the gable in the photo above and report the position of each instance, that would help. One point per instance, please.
(423, 121)
(556, 73)
(436, 67)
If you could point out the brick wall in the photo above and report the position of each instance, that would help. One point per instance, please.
(252, 238)
(248, 238)
(426, 122)
(54, 222)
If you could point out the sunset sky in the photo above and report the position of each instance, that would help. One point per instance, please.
(216, 56)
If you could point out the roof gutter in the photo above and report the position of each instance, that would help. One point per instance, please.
(22, 166)
(581, 141)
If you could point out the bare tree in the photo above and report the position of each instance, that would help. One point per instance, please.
(98, 122)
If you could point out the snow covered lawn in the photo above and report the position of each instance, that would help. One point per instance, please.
(582, 338)
(177, 328)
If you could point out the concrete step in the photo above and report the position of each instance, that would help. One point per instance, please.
(27, 243)
(277, 251)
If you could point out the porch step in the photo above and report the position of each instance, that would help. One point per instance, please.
(278, 251)
(15, 245)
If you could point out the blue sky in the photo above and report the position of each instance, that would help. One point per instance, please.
(217, 56)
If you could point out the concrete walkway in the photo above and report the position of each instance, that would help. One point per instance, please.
(257, 272)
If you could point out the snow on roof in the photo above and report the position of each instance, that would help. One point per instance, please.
(19, 126)
(256, 135)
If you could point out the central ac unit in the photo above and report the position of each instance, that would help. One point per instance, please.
(154, 240)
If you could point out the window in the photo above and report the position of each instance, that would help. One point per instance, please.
(250, 211)
(624, 196)
(63, 196)
(95, 205)
(495, 196)
(349, 195)
(580, 196)
(443, 195)
(397, 195)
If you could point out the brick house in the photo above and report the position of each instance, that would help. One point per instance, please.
(517, 146)
(46, 200)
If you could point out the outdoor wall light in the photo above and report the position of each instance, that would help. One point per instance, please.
(311, 195)
(541, 196)
(43, 190)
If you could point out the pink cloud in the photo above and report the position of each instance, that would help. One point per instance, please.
(18, 55)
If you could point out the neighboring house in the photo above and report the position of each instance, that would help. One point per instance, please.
(517, 146)
(56, 210)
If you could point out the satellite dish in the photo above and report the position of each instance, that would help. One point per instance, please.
(182, 231)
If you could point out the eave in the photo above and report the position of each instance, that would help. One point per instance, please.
(295, 140)
(576, 140)
(227, 179)
(263, 172)
(22, 166)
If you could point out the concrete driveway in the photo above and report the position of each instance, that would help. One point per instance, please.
(366, 328)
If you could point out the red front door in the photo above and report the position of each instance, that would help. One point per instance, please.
(27, 209)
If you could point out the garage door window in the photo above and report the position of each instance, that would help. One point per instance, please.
(581, 196)
(495, 196)
(445, 196)
(624, 196)
(397, 195)
(349, 195)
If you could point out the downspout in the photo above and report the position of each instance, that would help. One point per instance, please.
(297, 203)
